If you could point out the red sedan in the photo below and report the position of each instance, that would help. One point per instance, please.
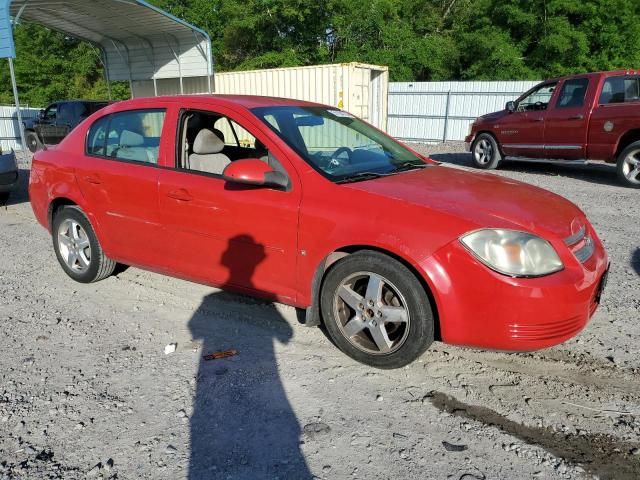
(307, 205)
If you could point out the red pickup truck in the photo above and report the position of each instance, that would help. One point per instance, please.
(581, 118)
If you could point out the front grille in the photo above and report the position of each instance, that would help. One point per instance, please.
(546, 330)
(581, 244)
(8, 178)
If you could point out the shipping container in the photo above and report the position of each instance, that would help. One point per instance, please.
(358, 88)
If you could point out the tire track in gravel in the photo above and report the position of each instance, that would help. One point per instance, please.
(603, 455)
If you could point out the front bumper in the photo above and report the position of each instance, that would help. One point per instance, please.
(467, 143)
(481, 308)
(8, 172)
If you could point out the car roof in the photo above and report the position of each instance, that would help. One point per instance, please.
(608, 73)
(246, 101)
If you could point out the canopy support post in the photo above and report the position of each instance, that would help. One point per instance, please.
(18, 112)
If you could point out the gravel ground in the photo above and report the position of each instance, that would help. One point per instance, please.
(86, 390)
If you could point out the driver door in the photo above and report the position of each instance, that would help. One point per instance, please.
(521, 133)
(46, 124)
(236, 236)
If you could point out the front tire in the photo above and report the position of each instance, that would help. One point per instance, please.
(628, 166)
(485, 152)
(376, 310)
(77, 247)
(33, 142)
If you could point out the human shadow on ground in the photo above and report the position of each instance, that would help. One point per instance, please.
(603, 174)
(242, 426)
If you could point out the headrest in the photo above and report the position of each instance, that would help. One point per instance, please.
(207, 142)
(131, 139)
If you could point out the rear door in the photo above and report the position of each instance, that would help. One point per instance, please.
(521, 134)
(567, 119)
(119, 179)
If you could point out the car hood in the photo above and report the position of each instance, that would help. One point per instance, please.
(482, 199)
(493, 117)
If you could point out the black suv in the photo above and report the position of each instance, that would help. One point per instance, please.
(57, 120)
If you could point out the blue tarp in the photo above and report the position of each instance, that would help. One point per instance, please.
(7, 47)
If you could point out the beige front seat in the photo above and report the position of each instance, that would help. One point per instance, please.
(206, 156)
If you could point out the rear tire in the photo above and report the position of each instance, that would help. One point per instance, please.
(628, 166)
(77, 247)
(376, 310)
(485, 152)
(4, 197)
(33, 142)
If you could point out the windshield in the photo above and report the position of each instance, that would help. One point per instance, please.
(337, 144)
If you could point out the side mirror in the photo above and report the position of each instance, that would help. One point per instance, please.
(511, 107)
(252, 171)
(41, 114)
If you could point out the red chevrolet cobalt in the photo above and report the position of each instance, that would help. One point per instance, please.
(307, 205)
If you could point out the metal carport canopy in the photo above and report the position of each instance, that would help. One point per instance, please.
(138, 40)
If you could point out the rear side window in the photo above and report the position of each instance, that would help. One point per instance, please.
(620, 90)
(133, 135)
(573, 93)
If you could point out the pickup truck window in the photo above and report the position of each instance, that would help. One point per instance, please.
(573, 93)
(50, 113)
(538, 99)
(620, 90)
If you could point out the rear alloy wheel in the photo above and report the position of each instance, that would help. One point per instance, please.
(77, 247)
(33, 142)
(628, 165)
(376, 310)
(485, 152)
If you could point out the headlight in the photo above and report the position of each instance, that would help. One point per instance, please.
(513, 253)
(471, 128)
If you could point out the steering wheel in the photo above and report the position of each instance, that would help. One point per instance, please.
(335, 162)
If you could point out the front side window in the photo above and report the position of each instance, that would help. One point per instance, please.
(133, 135)
(573, 93)
(620, 90)
(50, 113)
(336, 143)
(538, 99)
(210, 141)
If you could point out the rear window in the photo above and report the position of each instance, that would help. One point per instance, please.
(132, 135)
(620, 90)
(573, 93)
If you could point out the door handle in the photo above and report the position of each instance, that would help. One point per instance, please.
(93, 180)
(180, 194)
(538, 119)
(576, 117)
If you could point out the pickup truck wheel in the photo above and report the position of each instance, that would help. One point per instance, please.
(33, 142)
(376, 311)
(628, 165)
(485, 152)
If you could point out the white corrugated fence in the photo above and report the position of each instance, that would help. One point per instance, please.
(9, 131)
(441, 111)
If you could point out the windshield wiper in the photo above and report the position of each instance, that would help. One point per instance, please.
(357, 177)
(410, 166)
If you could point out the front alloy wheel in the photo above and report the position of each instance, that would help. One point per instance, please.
(372, 313)
(376, 310)
(485, 152)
